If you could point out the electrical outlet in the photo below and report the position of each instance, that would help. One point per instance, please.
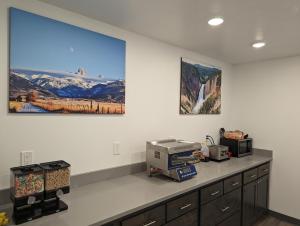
(26, 158)
(116, 148)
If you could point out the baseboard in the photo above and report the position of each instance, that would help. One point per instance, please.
(284, 217)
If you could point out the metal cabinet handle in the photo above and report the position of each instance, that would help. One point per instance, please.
(235, 184)
(254, 175)
(150, 223)
(259, 181)
(215, 193)
(266, 170)
(225, 209)
(186, 206)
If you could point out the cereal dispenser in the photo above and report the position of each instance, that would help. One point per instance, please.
(57, 183)
(27, 192)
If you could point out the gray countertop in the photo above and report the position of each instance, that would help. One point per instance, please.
(108, 200)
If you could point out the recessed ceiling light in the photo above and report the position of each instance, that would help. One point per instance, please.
(216, 21)
(258, 45)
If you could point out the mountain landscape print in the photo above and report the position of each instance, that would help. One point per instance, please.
(60, 68)
(200, 88)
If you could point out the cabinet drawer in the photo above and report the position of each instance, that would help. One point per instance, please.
(218, 210)
(263, 170)
(113, 224)
(189, 219)
(232, 183)
(153, 217)
(250, 175)
(234, 220)
(182, 205)
(211, 192)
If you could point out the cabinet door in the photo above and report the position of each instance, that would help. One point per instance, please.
(234, 220)
(262, 195)
(249, 201)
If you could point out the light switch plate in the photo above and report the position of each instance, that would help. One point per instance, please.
(26, 158)
(116, 148)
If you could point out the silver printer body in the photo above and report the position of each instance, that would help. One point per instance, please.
(171, 158)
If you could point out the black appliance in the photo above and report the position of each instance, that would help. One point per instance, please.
(238, 148)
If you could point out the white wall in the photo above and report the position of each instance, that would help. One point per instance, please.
(266, 104)
(261, 99)
(152, 105)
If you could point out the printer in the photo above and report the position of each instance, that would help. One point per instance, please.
(172, 158)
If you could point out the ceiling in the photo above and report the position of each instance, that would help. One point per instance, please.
(184, 23)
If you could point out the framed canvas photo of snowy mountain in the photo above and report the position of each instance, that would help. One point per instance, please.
(60, 68)
(200, 88)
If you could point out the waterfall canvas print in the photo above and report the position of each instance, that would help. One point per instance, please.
(60, 68)
(200, 88)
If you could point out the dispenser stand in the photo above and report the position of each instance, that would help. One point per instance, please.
(27, 213)
(52, 206)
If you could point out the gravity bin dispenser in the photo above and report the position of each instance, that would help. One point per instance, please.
(27, 192)
(57, 183)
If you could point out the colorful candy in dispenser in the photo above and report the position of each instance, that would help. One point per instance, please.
(27, 192)
(27, 184)
(57, 178)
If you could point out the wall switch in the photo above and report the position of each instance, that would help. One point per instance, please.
(116, 148)
(26, 158)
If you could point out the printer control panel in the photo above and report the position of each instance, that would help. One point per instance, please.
(186, 172)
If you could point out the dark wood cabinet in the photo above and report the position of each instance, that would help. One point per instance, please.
(249, 199)
(255, 195)
(262, 195)
(237, 200)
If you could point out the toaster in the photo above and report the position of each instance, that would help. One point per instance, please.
(218, 152)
